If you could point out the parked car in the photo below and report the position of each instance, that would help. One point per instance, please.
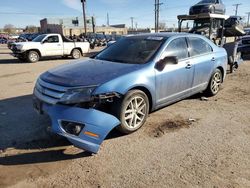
(244, 45)
(48, 45)
(3, 40)
(122, 84)
(208, 6)
(32, 36)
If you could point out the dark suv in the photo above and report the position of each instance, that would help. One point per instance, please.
(208, 6)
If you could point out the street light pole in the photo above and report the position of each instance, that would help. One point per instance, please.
(248, 15)
(84, 16)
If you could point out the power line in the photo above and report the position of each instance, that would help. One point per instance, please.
(236, 8)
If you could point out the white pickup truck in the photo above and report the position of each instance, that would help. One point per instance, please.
(46, 45)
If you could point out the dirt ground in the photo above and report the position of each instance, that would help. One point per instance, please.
(192, 143)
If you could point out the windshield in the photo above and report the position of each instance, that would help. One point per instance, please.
(207, 1)
(39, 38)
(133, 50)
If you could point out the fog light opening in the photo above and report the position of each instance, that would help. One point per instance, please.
(72, 127)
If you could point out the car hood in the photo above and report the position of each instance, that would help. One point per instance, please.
(28, 44)
(86, 73)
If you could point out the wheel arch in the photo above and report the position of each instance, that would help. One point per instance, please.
(147, 92)
(76, 48)
(36, 50)
(222, 72)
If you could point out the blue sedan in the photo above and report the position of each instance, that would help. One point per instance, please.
(121, 85)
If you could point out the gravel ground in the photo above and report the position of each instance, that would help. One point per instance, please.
(192, 143)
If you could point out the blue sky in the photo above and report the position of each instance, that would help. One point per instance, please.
(28, 12)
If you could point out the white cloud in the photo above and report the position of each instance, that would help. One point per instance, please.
(74, 4)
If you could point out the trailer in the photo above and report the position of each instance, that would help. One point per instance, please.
(213, 27)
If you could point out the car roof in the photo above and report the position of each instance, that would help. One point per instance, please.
(166, 35)
(162, 34)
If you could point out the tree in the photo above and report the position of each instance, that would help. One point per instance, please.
(31, 29)
(8, 28)
(162, 25)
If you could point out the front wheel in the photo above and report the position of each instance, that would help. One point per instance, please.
(76, 54)
(33, 56)
(214, 83)
(133, 111)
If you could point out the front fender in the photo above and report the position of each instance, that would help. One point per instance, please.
(94, 121)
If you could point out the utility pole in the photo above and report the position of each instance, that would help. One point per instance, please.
(84, 16)
(157, 13)
(93, 23)
(248, 16)
(132, 22)
(107, 19)
(236, 8)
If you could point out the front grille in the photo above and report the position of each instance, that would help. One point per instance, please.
(49, 93)
(246, 41)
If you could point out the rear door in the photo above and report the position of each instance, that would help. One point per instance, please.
(175, 80)
(202, 58)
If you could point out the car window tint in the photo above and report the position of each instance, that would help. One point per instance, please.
(178, 48)
(199, 46)
(53, 39)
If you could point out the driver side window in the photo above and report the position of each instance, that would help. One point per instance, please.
(52, 39)
(178, 48)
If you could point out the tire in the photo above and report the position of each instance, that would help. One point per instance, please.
(132, 111)
(33, 56)
(76, 54)
(214, 83)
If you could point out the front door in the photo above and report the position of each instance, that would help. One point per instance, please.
(52, 46)
(175, 81)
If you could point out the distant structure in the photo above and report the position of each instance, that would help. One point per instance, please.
(74, 26)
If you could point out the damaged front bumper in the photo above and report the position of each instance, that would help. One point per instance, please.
(89, 127)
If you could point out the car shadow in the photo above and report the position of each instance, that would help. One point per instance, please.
(40, 157)
(17, 61)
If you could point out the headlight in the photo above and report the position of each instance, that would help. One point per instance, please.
(77, 95)
(19, 47)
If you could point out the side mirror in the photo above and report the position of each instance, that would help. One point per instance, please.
(160, 65)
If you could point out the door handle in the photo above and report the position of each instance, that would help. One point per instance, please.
(188, 66)
(213, 59)
(59, 45)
